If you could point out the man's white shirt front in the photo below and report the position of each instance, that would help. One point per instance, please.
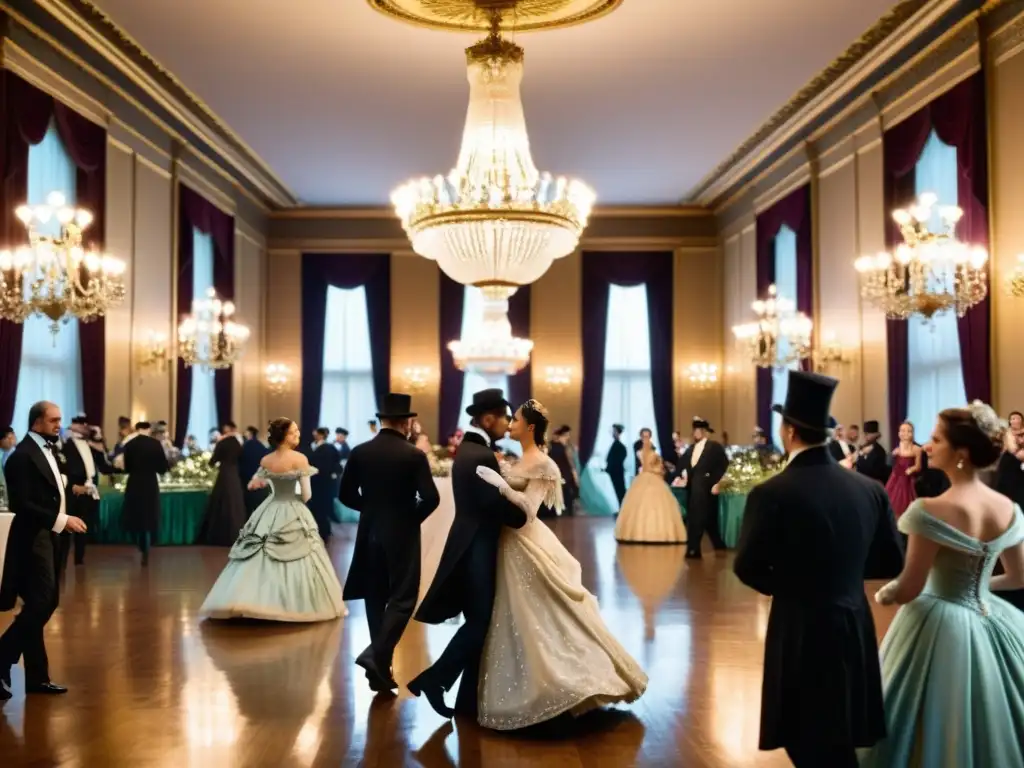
(51, 459)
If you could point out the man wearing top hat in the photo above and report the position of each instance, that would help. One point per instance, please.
(811, 535)
(871, 460)
(388, 481)
(465, 578)
(700, 469)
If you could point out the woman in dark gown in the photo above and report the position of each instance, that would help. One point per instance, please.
(144, 461)
(225, 509)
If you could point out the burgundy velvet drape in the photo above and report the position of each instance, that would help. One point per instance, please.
(344, 270)
(793, 211)
(452, 296)
(196, 212)
(601, 270)
(27, 112)
(958, 118)
(520, 386)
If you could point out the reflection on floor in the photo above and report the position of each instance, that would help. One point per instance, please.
(153, 686)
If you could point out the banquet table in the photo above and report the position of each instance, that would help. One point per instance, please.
(181, 515)
(730, 513)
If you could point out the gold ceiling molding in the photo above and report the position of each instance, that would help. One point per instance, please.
(383, 212)
(129, 51)
(475, 15)
(900, 14)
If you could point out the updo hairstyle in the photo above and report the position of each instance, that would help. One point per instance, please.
(278, 431)
(976, 429)
(536, 415)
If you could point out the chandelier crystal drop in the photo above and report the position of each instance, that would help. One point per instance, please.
(54, 275)
(490, 348)
(209, 337)
(780, 336)
(930, 272)
(495, 220)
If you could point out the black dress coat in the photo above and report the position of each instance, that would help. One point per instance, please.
(615, 466)
(700, 479)
(144, 462)
(570, 490)
(835, 448)
(811, 535)
(480, 513)
(253, 452)
(225, 507)
(324, 486)
(34, 498)
(388, 481)
(874, 464)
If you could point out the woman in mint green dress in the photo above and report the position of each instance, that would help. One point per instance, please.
(953, 658)
(278, 569)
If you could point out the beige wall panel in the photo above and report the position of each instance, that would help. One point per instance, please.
(250, 290)
(120, 374)
(555, 325)
(698, 334)
(415, 333)
(283, 330)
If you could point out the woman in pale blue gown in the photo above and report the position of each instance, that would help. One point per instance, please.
(953, 658)
(278, 568)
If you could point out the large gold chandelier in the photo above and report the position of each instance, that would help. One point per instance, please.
(54, 275)
(209, 337)
(779, 336)
(495, 220)
(490, 348)
(930, 272)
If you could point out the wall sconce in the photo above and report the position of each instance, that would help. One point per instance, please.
(153, 354)
(829, 353)
(702, 375)
(416, 379)
(1015, 283)
(278, 376)
(557, 377)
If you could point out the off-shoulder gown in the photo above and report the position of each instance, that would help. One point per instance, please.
(953, 660)
(548, 651)
(278, 569)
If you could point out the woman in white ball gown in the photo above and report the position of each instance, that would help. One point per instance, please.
(278, 568)
(650, 513)
(548, 651)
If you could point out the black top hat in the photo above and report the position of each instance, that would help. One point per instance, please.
(487, 400)
(80, 419)
(396, 406)
(871, 428)
(699, 423)
(808, 400)
(832, 423)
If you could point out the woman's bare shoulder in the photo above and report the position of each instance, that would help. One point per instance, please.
(286, 461)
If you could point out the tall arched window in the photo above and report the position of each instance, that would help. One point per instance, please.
(348, 399)
(202, 407)
(934, 376)
(628, 397)
(785, 284)
(51, 366)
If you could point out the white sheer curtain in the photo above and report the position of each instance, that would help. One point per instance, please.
(348, 399)
(785, 284)
(51, 366)
(934, 378)
(202, 409)
(474, 381)
(628, 397)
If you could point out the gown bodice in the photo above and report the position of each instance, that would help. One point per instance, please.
(963, 567)
(288, 486)
(651, 462)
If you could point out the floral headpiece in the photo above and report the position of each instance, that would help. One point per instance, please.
(987, 419)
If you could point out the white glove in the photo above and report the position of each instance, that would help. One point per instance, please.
(887, 594)
(491, 477)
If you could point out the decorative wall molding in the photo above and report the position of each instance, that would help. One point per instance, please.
(158, 169)
(386, 212)
(191, 178)
(245, 232)
(18, 61)
(1006, 41)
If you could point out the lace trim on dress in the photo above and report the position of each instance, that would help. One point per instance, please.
(294, 473)
(545, 471)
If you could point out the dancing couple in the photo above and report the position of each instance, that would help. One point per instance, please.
(518, 588)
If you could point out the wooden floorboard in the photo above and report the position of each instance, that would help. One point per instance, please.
(151, 685)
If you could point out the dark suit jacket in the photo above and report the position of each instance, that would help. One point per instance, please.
(875, 464)
(253, 452)
(811, 535)
(615, 462)
(480, 511)
(560, 456)
(388, 481)
(144, 461)
(34, 498)
(710, 468)
(835, 449)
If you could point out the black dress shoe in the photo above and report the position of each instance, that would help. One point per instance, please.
(378, 683)
(693, 556)
(50, 689)
(434, 694)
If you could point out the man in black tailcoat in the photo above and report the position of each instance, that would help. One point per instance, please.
(388, 481)
(144, 460)
(83, 464)
(701, 468)
(465, 578)
(615, 463)
(37, 496)
(811, 536)
(325, 485)
(871, 459)
(253, 451)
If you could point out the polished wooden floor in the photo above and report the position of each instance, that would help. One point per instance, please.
(151, 685)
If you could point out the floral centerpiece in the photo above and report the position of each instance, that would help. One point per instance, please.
(188, 473)
(440, 461)
(748, 467)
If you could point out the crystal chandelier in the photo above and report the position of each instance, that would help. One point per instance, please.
(209, 337)
(495, 220)
(54, 276)
(489, 348)
(930, 272)
(780, 336)
(1015, 283)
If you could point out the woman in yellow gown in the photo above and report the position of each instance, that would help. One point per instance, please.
(650, 513)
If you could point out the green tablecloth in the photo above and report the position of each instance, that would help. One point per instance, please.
(730, 513)
(181, 514)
